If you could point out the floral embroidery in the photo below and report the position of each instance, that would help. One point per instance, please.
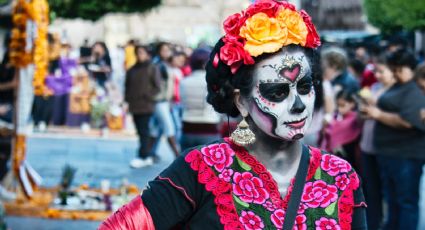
(226, 175)
(342, 181)
(247, 197)
(218, 155)
(334, 165)
(300, 222)
(249, 188)
(269, 206)
(319, 194)
(251, 221)
(278, 217)
(327, 224)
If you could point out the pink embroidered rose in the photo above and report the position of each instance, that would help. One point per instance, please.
(249, 188)
(334, 165)
(302, 208)
(277, 218)
(269, 206)
(226, 174)
(218, 155)
(327, 224)
(342, 181)
(319, 194)
(251, 221)
(300, 223)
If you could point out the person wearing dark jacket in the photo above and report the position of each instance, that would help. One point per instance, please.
(141, 87)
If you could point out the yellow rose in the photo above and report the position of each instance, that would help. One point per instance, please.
(263, 35)
(297, 30)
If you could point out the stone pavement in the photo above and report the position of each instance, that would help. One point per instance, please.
(95, 158)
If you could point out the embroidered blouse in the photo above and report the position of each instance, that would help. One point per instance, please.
(222, 186)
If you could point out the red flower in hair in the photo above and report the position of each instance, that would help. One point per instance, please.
(313, 39)
(233, 24)
(269, 7)
(234, 55)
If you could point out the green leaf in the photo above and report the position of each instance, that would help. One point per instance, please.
(318, 174)
(331, 208)
(240, 202)
(243, 164)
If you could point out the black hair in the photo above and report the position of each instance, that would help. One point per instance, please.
(221, 83)
(420, 72)
(401, 58)
(199, 59)
(137, 47)
(357, 66)
(346, 95)
(159, 47)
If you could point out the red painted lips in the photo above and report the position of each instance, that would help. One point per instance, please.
(296, 124)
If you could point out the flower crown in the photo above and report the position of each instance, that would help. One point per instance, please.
(264, 27)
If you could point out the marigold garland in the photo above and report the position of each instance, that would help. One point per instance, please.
(20, 57)
(41, 45)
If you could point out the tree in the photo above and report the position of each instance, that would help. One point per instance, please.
(393, 15)
(94, 9)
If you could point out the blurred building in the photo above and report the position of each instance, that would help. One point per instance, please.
(336, 14)
(180, 21)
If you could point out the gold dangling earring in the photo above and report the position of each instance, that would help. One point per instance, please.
(243, 136)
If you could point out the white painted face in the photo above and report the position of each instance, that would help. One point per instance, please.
(283, 95)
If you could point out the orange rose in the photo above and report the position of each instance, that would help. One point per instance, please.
(293, 21)
(263, 35)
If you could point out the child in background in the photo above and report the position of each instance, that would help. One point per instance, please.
(341, 135)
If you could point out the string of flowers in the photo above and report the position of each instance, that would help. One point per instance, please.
(41, 45)
(19, 56)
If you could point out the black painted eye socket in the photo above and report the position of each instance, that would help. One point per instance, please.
(304, 85)
(274, 92)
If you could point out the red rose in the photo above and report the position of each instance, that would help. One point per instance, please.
(269, 206)
(269, 7)
(334, 165)
(300, 222)
(342, 181)
(233, 24)
(313, 39)
(234, 55)
(218, 155)
(278, 217)
(319, 194)
(251, 221)
(354, 181)
(194, 159)
(325, 223)
(249, 189)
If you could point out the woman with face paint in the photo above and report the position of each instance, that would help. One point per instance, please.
(262, 177)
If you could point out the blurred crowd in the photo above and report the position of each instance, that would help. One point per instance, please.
(370, 108)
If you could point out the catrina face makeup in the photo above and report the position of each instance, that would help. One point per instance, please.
(282, 99)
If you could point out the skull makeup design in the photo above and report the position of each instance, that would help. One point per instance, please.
(283, 95)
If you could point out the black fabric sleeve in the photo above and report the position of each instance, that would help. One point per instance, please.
(359, 213)
(174, 195)
(412, 104)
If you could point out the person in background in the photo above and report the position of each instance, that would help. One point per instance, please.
(342, 134)
(399, 141)
(356, 68)
(200, 121)
(162, 121)
(141, 87)
(370, 168)
(334, 65)
(420, 76)
(177, 62)
(100, 65)
(130, 57)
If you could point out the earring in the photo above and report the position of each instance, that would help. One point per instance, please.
(243, 136)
